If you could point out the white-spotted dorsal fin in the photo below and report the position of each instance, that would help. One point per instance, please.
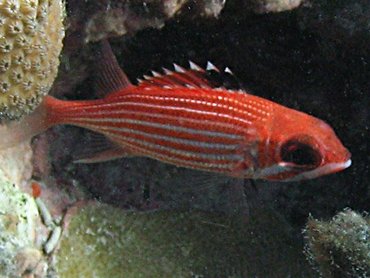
(194, 77)
(110, 78)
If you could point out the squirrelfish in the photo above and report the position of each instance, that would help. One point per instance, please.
(178, 117)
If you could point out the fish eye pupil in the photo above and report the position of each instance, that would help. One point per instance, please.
(300, 154)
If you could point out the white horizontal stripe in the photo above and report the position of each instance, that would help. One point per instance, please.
(187, 142)
(259, 106)
(247, 104)
(241, 129)
(158, 125)
(159, 148)
(195, 155)
(175, 160)
(230, 103)
(181, 108)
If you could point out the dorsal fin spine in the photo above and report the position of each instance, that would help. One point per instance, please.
(167, 71)
(195, 67)
(155, 74)
(192, 78)
(211, 66)
(179, 68)
(228, 70)
(110, 77)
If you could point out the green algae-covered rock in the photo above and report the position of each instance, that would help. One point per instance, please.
(18, 221)
(102, 241)
(340, 247)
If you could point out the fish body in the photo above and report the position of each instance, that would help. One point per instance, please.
(200, 128)
(178, 117)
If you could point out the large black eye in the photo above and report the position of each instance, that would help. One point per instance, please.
(300, 154)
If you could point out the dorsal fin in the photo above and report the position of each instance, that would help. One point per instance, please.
(223, 78)
(109, 76)
(195, 76)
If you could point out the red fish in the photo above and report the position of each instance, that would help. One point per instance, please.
(178, 117)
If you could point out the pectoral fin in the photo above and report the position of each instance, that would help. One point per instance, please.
(104, 156)
(100, 149)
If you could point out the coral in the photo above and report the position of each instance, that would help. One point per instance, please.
(18, 222)
(340, 247)
(31, 34)
(102, 241)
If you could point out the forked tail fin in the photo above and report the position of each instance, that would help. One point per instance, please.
(16, 132)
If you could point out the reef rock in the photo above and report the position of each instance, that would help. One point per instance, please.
(274, 6)
(103, 19)
(340, 247)
(16, 163)
(18, 227)
(102, 241)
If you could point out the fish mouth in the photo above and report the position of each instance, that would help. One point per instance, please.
(329, 168)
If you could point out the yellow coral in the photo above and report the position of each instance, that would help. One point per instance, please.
(31, 33)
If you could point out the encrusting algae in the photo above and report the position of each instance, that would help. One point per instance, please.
(340, 247)
(18, 228)
(102, 241)
(31, 33)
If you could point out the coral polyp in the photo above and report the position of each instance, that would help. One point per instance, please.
(31, 34)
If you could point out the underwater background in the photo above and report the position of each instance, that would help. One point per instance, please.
(136, 217)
